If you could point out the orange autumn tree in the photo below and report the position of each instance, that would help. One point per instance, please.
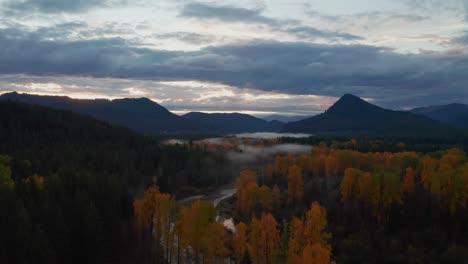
(409, 181)
(239, 242)
(265, 198)
(247, 191)
(331, 166)
(268, 173)
(305, 163)
(281, 166)
(264, 240)
(315, 236)
(315, 224)
(315, 253)
(165, 216)
(254, 246)
(155, 212)
(195, 222)
(144, 209)
(296, 241)
(365, 188)
(309, 243)
(429, 166)
(386, 191)
(270, 239)
(276, 198)
(215, 243)
(349, 187)
(295, 185)
(451, 173)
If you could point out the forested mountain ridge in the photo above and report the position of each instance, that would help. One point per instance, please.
(454, 114)
(233, 122)
(352, 115)
(67, 182)
(140, 114)
(145, 116)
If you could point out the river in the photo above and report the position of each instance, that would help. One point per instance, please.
(216, 197)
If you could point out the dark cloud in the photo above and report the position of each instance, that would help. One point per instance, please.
(290, 67)
(305, 32)
(232, 14)
(225, 13)
(376, 16)
(58, 6)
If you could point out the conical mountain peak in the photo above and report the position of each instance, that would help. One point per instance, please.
(350, 104)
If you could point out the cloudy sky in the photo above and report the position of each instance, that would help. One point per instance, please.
(291, 57)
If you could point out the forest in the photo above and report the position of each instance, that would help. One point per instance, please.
(67, 184)
(326, 206)
(74, 190)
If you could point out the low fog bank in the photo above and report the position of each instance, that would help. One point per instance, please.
(271, 135)
(252, 155)
(174, 141)
(249, 155)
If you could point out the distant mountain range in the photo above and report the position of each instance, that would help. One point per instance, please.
(283, 118)
(142, 115)
(454, 114)
(148, 117)
(351, 115)
(233, 123)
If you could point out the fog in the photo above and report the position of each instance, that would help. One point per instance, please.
(271, 135)
(174, 141)
(252, 154)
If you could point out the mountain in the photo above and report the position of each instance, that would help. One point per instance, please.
(352, 115)
(148, 117)
(282, 118)
(91, 170)
(233, 122)
(454, 114)
(140, 114)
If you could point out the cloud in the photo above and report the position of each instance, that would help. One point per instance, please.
(225, 13)
(375, 16)
(286, 67)
(456, 7)
(180, 97)
(230, 14)
(465, 5)
(305, 32)
(58, 6)
(188, 37)
(461, 39)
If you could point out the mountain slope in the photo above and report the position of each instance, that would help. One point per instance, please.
(352, 115)
(91, 170)
(148, 117)
(284, 119)
(454, 114)
(142, 114)
(232, 123)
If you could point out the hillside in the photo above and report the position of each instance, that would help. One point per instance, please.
(232, 123)
(352, 115)
(283, 118)
(147, 117)
(141, 114)
(67, 182)
(454, 114)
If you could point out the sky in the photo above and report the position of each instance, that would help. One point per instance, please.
(261, 57)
